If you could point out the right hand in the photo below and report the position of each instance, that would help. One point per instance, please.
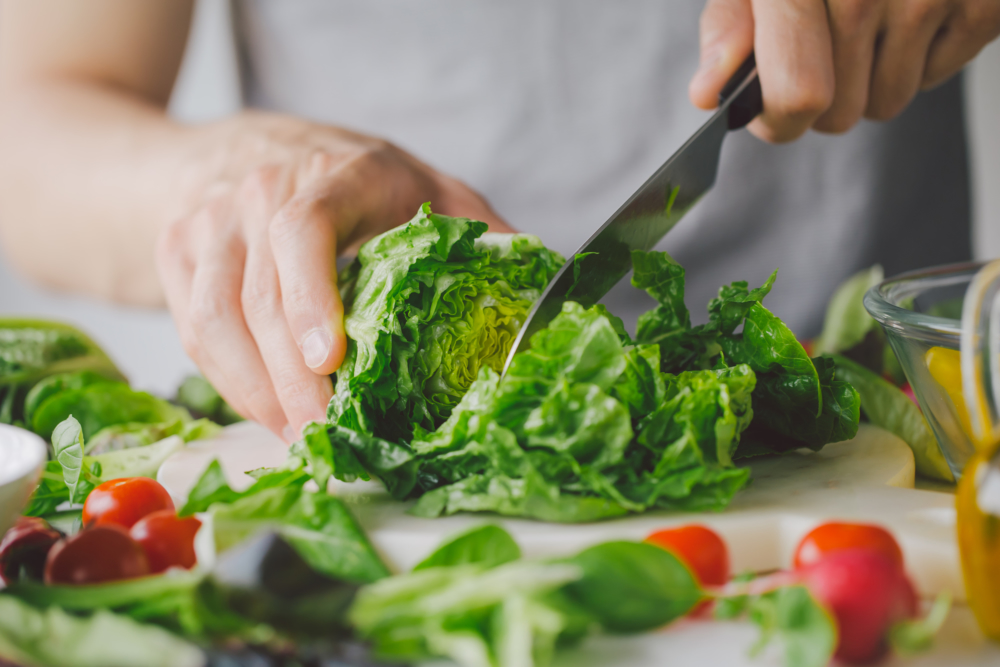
(250, 275)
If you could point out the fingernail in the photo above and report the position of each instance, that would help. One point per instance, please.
(316, 347)
(287, 433)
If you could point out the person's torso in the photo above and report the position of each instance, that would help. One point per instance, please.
(556, 110)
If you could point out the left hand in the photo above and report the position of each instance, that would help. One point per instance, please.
(826, 64)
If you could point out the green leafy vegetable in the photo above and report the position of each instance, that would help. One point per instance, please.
(487, 545)
(483, 611)
(53, 638)
(806, 629)
(847, 323)
(586, 424)
(198, 396)
(887, 406)
(31, 350)
(100, 405)
(553, 442)
(317, 525)
(428, 305)
(633, 586)
(67, 445)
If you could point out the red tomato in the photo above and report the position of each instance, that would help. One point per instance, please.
(167, 539)
(700, 548)
(125, 501)
(96, 554)
(834, 536)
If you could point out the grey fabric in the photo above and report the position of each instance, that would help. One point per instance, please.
(556, 110)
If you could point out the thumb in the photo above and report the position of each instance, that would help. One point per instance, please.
(726, 39)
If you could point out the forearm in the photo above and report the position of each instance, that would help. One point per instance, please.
(88, 177)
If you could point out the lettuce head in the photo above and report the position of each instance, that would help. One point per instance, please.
(428, 305)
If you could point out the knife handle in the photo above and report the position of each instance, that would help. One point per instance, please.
(749, 103)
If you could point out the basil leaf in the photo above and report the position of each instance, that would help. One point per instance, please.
(67, 448)
(487, 545)
(633, 586)
(807, 630)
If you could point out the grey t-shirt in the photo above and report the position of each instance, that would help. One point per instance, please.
(557, 110)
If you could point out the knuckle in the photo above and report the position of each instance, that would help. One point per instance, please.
(208, 308)
(917, 13)
(850, 17)
(804, 101)
(257, 298)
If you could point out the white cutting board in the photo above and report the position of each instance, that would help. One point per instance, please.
(869, 478)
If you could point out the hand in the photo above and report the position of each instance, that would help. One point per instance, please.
(250, 276)
(826, 64)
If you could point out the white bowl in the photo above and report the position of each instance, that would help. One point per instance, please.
(22, 456)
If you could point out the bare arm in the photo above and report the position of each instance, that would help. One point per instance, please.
(90, 166)
(235, 224)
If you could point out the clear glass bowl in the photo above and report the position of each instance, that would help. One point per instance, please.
(919, 311)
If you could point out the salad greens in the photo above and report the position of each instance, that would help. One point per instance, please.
(31, 350)
(427, 306)
(587, 424)
(508, 612)
(42, 637)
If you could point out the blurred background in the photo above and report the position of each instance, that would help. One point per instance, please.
(144, 344)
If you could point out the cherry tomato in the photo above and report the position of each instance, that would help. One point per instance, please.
(125, 501)
(96, 554)
(167, 539)
(24, 549)
(834, 536)
(700, 548)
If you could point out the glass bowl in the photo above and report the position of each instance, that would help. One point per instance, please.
(920, 313)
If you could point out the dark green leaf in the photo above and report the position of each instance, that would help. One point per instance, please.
(633, 586)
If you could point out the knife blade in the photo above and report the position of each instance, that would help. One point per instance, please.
(649, 213)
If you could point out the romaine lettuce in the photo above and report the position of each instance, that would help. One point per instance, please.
(428, 305)
(587, 423)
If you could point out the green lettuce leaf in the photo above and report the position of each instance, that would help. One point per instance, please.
(52, 637)
(428, 305)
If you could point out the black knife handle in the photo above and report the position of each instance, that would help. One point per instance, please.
(750, 103)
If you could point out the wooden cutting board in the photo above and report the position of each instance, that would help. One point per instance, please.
(869, 478)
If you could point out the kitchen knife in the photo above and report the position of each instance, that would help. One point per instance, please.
(648, 214)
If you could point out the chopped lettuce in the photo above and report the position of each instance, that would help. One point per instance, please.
(429, 304)
(554, 441)
(797, 401)
(587, 423)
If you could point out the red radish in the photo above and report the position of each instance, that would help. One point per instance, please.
(867, 593)
(908, 390)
